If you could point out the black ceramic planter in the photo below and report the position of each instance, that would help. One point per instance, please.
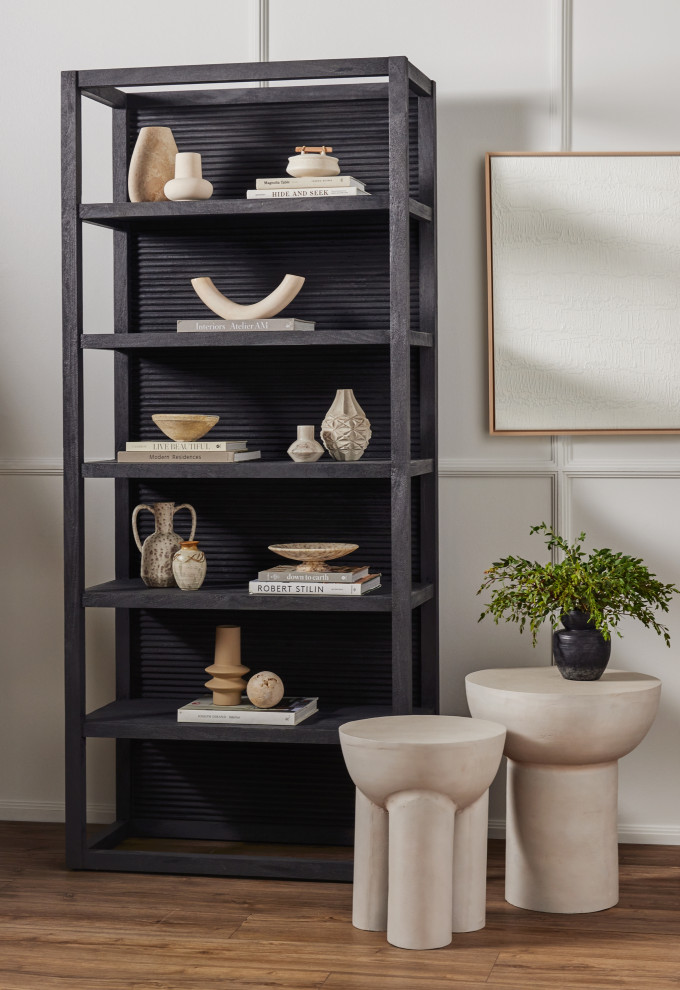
(581, 652)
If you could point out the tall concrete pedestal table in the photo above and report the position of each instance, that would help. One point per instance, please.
(563, 744)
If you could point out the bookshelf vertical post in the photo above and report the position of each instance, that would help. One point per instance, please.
(74, 492)
(429, 483)
(400, 385)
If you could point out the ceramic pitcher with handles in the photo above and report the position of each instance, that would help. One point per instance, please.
(159, 548)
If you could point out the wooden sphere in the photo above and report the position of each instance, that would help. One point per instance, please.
(265, 689)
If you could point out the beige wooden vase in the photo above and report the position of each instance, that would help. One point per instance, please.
(345, 431)
(158, 549)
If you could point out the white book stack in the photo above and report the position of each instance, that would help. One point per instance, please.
(338, 580)
(186, 451)
(319, 186)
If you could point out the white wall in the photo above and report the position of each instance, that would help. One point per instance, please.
(497, 66)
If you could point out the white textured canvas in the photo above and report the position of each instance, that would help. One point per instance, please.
(586, 292)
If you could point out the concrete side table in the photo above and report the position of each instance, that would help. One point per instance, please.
(421, 824)
(563, 745)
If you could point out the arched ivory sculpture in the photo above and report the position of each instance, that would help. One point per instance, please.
(269, 306)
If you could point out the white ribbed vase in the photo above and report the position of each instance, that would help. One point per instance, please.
(345, 431)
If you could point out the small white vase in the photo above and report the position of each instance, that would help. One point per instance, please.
(345, 431)
(189, 566)
(188, 183)
(305, 448)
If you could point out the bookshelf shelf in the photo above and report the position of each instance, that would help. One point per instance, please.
(132, 593)
(369, 265)
(142, 718)
(122, 215)
(325, 468)
(260, 338)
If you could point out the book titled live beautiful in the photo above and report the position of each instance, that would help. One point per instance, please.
(277, 323)
(289, 711)
(177, 446)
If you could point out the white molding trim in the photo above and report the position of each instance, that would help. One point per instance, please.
(566, 74)
(52, 811)
(623, 469)
(651, 835)
(32, 466)
(565, 470)
(263, 35)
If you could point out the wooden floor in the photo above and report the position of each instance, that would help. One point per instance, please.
(116, 931)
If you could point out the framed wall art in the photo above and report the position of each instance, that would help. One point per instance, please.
(584, 292)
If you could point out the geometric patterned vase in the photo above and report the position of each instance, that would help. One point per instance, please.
(345, 430)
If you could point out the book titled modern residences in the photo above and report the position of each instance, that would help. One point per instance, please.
(360, 587)
(231, 326)
(187, 456)
(289, 711)
(342, 575)
(324, 181)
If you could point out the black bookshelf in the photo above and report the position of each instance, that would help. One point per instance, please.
(370, 269)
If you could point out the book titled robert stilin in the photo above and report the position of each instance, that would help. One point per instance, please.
(289, 711)
(360, 587)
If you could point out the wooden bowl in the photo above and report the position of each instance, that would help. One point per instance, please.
(184, 426)
(313, 556)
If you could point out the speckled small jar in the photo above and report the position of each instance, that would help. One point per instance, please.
(189, 566)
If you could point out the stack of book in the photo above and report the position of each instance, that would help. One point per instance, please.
(186, 451)
(338, 580)
(289, 711)
(322, 185)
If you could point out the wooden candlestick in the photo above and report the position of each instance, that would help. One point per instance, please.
(227, 684)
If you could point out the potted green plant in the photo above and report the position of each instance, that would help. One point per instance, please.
(588, 593)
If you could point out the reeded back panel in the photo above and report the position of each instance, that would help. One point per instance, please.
(243, 141)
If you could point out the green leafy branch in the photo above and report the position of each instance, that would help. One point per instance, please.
(604, 584)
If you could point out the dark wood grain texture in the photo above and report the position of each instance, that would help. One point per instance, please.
(400, 306)
(165, 75)
(133, 594)
(142, 718)
(64, 930)
(124, 215)
(122, 419)
(429, 485)
(369, 286)
(74, 500)
(329, 469)
(236, 338)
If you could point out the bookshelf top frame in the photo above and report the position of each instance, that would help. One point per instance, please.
(103, 85)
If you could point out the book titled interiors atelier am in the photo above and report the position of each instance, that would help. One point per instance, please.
(231, 326)
(289, 711)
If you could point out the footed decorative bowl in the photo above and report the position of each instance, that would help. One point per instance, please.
(313, 556)
(184, 426)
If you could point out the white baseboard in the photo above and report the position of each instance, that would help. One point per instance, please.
(652, 835)
(104, 814)
(52, 811)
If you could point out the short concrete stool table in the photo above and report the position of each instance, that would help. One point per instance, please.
(421, 824)
(563, 745)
